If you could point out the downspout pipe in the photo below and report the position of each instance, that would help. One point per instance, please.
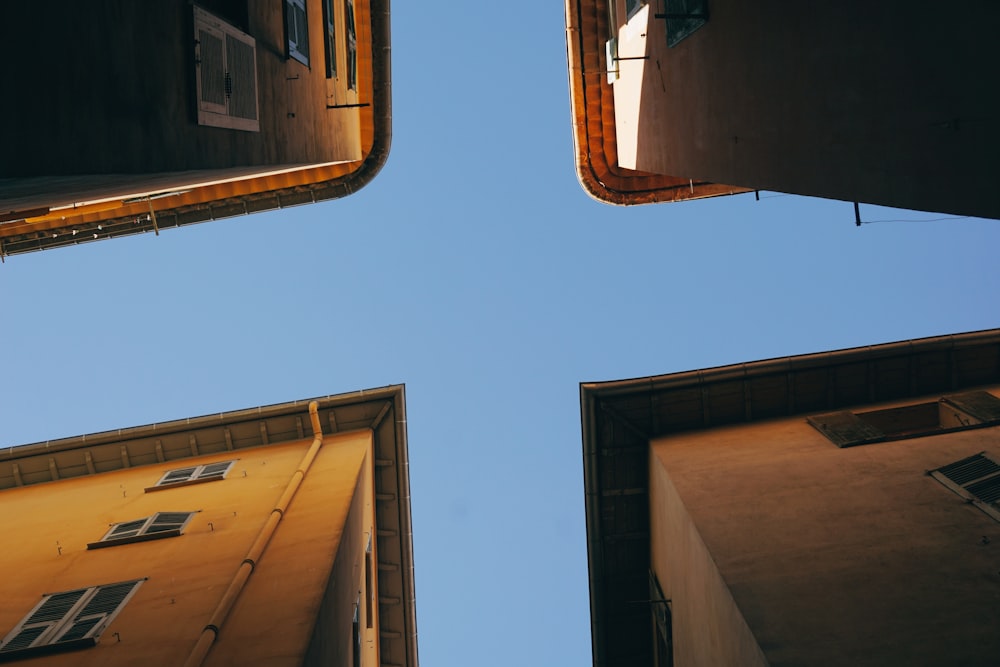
(211, 631)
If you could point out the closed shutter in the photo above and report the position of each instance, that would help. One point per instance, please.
(226, 74)
(845, 429)
(211, 70)
(242, 78)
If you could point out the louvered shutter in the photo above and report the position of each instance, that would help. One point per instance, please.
(845, 429)
(214, 470)
(980, 404)
(48, 614)
(211, 70)
(126, 529)
(164, 521)
(976, 476)
(179, 475)
(241, 78)
(226, 74)
(99, 608)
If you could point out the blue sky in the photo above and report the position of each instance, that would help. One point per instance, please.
(476, 271)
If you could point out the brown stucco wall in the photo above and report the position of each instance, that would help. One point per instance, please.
(111, 90)
(887, 103)
(708, 628)
(837, 556)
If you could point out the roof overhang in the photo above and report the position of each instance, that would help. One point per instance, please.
(619, 419)
(41, 228)
(383, 411)
(593, 109)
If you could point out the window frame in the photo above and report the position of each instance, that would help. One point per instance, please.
(292, 42)
(50, 639)
(195, 477)
(143, 532)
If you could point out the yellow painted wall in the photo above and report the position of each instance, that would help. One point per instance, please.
(832, 556)
(188, 574)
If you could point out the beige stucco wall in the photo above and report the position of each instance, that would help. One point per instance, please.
(187, 575)
(832, 556)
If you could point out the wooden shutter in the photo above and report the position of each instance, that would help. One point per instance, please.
(47, 614)
(164, 521)
(845, 429)
(979, 404)
(214, 470)
(226, 74)
(103, 604)
(179, 475)
(126, 529)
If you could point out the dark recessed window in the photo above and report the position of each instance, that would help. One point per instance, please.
(158, 526)
(68, 620)
(663, 645)
(976, 478)
(193, 475)
(955, 412)
(632, 6)
(352, 45)
(330, 39)
(683, 17)
(297, 30)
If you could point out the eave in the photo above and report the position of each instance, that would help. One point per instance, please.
(42, 229)
(592, 106)
(620, 418)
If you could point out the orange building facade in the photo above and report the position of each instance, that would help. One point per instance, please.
(828, 509)
(273, 536)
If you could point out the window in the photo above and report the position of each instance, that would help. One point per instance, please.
(631, 7)
(65, 621)
(956, 412)
(683, 17)
(297, 30)
(977, 479)
(193, 475)
(160, 525)
(352, 45)
(356, 634)
(330, 39)
(663, 651)
(226, 74)
(369, 585)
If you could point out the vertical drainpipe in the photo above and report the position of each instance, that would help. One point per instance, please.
(212, 629)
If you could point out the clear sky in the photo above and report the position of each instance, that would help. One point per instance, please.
(475, 270)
